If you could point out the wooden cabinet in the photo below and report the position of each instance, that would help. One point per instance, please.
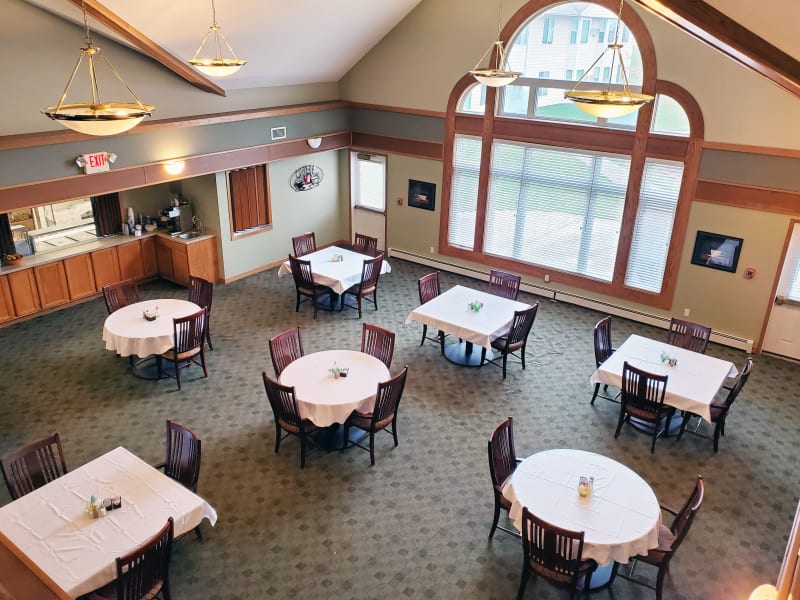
(51, 281)
(6, 303)
(23, 292)
(164, 257)
(149, 260)
(106, 267)
(178, 260)
(180, 264)
(80, 276)
(130, 260)
(202, 257)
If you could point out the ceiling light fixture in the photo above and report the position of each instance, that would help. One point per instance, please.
(608, 104)
(174, 167)
(97, 117)
(499, 74)
(216, 66)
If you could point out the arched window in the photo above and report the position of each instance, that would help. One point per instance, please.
(533, 184)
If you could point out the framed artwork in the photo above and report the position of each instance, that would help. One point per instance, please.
(716, 251)
(421, 194)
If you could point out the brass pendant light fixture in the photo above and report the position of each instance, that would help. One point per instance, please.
(606, 103)
(216, 66)
(499, 74)
(97, 117)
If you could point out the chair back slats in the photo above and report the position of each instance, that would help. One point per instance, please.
(370, 273)
(521, 326)
(428, 286)
(183, 455)
(602, 340)
(285, 348)
(144, 573)
(502, 455)
(301, 272)
(304, 244)
(553, 552)
(505, 285)
(683, 520)
(388, 397)
(189, 331)
(737, 387)
(120, 294)
(282, 400)
(33, 466)
(642, 390)
(688, 335)
(378, 342)
(365, 244)
(201, 292)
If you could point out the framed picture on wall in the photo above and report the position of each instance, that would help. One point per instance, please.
(421, 194)
(716, 251)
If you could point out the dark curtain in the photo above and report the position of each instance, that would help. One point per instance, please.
(6, 239)
(107, 214)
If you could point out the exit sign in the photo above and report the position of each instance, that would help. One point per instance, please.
(96, 162)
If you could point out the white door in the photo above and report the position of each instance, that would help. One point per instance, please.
(783, 329)
(368, 196)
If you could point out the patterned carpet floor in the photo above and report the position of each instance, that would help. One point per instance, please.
(415, 525)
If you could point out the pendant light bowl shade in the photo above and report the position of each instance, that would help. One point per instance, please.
(607, 105)
(105, 119)
(494, 77)
(217, 67)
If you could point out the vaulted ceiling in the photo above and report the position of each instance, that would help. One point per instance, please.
(307, 41)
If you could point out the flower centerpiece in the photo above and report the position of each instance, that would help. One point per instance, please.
(150, 314)
(475, 306)
(12, 259)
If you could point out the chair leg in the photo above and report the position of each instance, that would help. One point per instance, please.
(483, 353)
(159, 371)
(297, 304)
(596, 390)
(372, 448)
(208, 338)
(178, 372)
(359, 306)
(620, 422)
(203, 360)
(345, 437)
(662, 574)
(277, 437)
(424, 334)
(522, 356)
(441, 341)
(302, 450)
(394, 430)
(496, 515)
(686, 416)
(526, 573)
(655, 435)
(198, 533)
(717, 432)
(375, 298)
(505, 362)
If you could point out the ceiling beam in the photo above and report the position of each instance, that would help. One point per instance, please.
(147, 46)
(719, 31)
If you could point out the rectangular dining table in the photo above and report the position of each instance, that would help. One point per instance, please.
(50, 533)
(450, 312)
(338, 275)
(693, 381)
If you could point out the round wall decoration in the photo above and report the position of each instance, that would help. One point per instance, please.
(306, 178)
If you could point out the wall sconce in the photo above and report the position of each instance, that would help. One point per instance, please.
(174, 167)
(314, 142)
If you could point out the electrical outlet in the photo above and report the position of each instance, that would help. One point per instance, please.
(685, 312)
(433, 251)
(546, 277)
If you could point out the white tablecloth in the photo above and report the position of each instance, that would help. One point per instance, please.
(49, 530)
(620, 517)
(692, 383)
(128, 333)
(450, 312)
(325, 400)
(340, 275)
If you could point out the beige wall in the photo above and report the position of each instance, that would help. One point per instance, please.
(410, 228)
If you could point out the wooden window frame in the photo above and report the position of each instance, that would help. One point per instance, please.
(638, 143)
(249, 202)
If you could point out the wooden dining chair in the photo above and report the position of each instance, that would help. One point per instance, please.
(555, 554)
(365, 244)
(669, 540)
(720, 407)
(33, 466)
(368, 286)
(285, 348)
(502, 463)
(642, 398)
(189, 336)
(429, 287)
(515, 340)
(304, 244)
(201, 292)
(142, 574)
(182, 460)
(378, 342)
(602, 352)
(120, 294)
(283, 402)
(306, 288)
(688, 335)
(382, 417)
(505, 285)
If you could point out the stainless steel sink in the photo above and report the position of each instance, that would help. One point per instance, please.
(189, 235)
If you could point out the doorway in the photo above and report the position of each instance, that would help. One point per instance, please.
(782, 335)
(368, 196)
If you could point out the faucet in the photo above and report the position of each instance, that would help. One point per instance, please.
(198, 224)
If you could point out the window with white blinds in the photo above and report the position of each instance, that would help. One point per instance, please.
(368, 180)
(464, 191)
(557, 208)
(794, 286)
(661, 185)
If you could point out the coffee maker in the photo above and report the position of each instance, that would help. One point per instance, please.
(177, 218)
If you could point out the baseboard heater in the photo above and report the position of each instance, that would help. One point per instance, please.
(560, 296)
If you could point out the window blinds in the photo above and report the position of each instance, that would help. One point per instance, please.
(370, 182)
(464, 191)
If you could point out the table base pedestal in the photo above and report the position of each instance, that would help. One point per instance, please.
(147, 367)
(466, 354)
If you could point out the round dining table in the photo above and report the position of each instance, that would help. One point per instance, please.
(326, 400)
(620, 516)
(128, 333)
